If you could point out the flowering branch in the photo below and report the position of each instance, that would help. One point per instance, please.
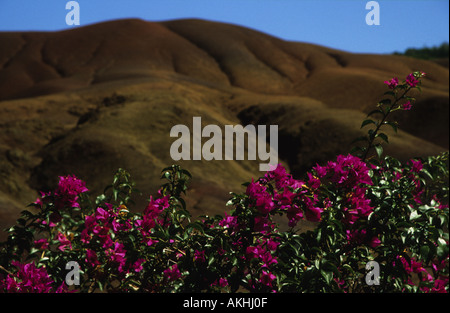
(412, 81)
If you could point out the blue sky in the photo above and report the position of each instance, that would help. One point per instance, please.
(339, 24)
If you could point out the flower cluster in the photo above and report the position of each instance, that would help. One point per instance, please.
(412, 81)
(362, 209)
(69, 187)
(351, 175)
(29, 279)
(428, 282)
(103, 229)
(295, 197)
(66, 195)
(172, 273)
(117, 245)
(152, 216)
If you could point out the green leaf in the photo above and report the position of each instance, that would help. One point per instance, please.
(166, 175)
(319, 234)
(424, 252)
(414, 215)
(367, 122)
(187, 173)
(197, 225)
(379, 150)
(442, 219)
(426, 172)
(348, 267)
(27, 214)
(317, 264)
(442, 249)
(385, 102)
(392, 124)
(211, 259)
(183, 203)
(383, 136)
(327, 275)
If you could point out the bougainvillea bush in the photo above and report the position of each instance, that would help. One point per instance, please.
(365, 206)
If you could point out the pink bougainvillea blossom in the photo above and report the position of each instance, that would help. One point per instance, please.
(411, 80)
(407, 105)
(392, 83)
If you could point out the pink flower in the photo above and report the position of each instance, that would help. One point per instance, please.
(38, 201)
(118, 226)
(356, 236)
(285, 197)
(223, 282)
(439, 285)
(89, 222)
(64, 242)
(150, 241)
(349, 171)
(439, 266)
(374, 242)
(156, 206)
(117, 255)
(101, 215)
(358, 205)
(103, 233)
(228, 221)
(91, 258)
(272, 245)
(313, 214)
(407, 105)
(313, 182)
(28, 279)
(199, 256)
(261, 253)
(85, 236)
(172, 273)
(320, 170)
(261, 224)
(417, 166)
(69, 187)
(279, 175)
(41, 244)
(137, 266)
(268, 259)
(267, 278)
(253, 252)
(411, 80)
(294, 214)
(392, 83)
(262, 198)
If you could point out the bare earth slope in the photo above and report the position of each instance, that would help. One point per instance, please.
(90, 100)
